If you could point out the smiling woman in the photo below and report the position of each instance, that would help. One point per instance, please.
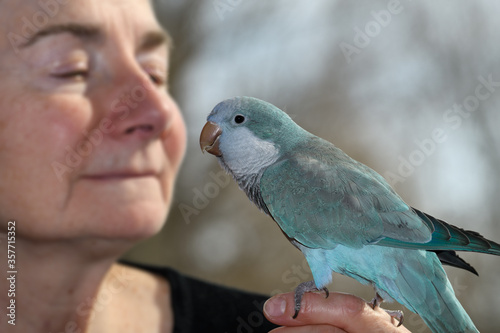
(71, 72)
(90, 146)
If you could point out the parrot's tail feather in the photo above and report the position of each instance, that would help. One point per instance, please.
(457, 238)
(438, 305)
(451, 258)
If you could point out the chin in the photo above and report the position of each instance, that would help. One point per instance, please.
(136, 222)
(128, 210)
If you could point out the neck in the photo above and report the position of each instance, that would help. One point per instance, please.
(250, 184)
(56, 283)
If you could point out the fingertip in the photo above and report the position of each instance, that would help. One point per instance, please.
(275, 306)
(280, 309)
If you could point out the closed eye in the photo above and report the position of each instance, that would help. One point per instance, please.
(158, 80)
(74, 75)
(74, 67)
(156, 71)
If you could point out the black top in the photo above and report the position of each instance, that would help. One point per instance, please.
(204, 307)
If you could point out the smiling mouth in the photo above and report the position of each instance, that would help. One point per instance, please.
(120, 176)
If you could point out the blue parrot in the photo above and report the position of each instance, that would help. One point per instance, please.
(341, 214)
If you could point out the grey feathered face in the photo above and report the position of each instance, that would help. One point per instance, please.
(231, 135)
(238, 131)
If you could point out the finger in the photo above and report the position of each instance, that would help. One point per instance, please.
(315, 308)
(344, 311)
(308, 329)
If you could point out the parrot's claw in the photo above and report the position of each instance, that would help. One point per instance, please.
(396, 314)
(376, 301)
(302, 288)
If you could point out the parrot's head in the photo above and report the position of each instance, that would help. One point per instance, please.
(248, 134)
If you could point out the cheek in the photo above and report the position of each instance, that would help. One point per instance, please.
(47, 127)
(52, 135)
(35, 138)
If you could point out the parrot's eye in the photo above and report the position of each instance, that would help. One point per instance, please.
(239, 119)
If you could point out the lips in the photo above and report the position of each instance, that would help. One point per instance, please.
(209, 139)
(120, 175)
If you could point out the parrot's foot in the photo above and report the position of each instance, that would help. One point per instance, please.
(302, 288)
(396, 314)
(376, 301)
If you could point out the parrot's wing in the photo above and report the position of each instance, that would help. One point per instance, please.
(447, 237)
(322, 198)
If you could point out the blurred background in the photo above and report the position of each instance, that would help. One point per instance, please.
(409, 88)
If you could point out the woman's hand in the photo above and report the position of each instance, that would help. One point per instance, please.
(337, 313)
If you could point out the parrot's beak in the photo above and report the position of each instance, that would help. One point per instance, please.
(209, 138)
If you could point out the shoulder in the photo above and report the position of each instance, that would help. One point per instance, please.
(203, 306)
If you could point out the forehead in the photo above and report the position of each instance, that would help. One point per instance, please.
(22, 19)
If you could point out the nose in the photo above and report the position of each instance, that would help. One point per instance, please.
(137, 109)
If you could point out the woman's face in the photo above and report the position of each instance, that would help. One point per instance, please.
(90, 139)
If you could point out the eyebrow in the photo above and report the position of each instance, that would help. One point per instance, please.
(149, 40)
(155, 38)
(78, 30)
